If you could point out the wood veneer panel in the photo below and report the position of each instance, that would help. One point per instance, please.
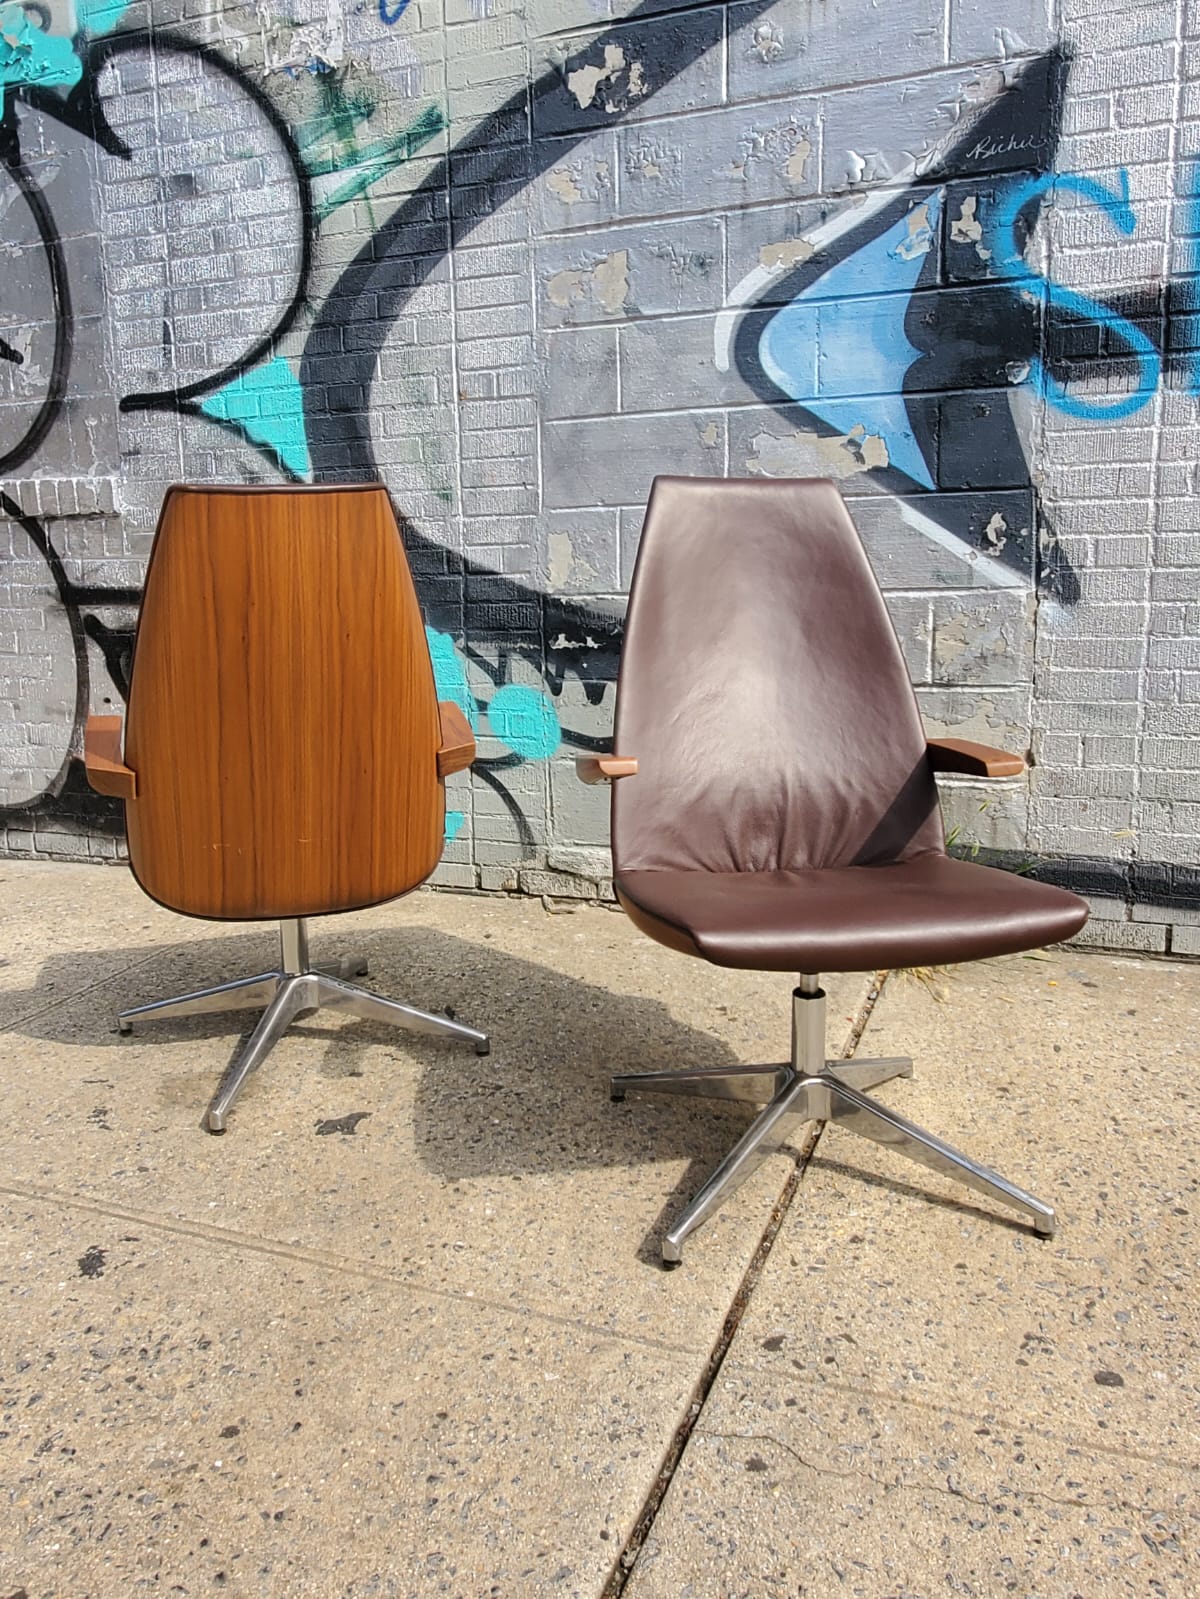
(283, 720)
(974, 760)
(106, 771)
(457, 749)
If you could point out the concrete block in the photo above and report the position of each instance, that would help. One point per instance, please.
(651, 270)
(978, 32)
(581, 552)
(579, 188)
(580, 812)
(715, 161)
(669, 363)
(577, 372)
(613, 460)
(635, 70)
(1099, 933)
(802, 44)
(595, 864)
(556, 885)
(983, 639)
(451, 874)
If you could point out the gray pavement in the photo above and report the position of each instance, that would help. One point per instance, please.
(402, 1329)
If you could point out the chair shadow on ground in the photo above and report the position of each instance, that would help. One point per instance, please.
(538, 1105)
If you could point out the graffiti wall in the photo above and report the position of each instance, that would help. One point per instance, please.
(517, 256)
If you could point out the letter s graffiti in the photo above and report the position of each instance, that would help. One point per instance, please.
(1010, 261)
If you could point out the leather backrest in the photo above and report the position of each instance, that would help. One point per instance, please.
(763, 690)
(282, 714)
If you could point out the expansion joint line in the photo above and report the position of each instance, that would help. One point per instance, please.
(626, 1561)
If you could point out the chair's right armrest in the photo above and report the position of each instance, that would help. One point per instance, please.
(604, 768)
(968, 759)
(106, 771)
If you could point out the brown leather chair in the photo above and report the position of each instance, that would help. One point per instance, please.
(774, 804)
(284, 752)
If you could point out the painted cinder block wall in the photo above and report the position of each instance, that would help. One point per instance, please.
(517, 256)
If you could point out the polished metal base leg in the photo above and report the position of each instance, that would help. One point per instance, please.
(883, 1126)
(374, 1008)
(865, 1074)
(814, 1089)
(765, 1134)
(824, 1098)
(294, 990)
(296, 996)
(247, 993)
(345, 966)
(755, 1084)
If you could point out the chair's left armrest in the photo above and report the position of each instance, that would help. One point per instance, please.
(972, 760)
(106, 771)
(458, 742)
(604, 768)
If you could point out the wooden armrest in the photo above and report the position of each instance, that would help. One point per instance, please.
(973, 760)
(106, 771)
(604, 768)
(458, 742)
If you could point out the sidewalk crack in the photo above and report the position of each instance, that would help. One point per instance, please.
(950, 1490)
(627, 1559)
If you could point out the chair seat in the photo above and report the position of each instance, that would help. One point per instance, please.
(927, 911)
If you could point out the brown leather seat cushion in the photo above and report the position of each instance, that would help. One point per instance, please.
(924, 911)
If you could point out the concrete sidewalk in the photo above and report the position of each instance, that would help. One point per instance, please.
(403, 1331)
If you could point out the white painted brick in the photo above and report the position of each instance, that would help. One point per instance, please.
(1100, 934)
(494, 439)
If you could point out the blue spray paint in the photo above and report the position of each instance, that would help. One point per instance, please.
(840, 347)
(267, 407)
(524, 719)
(98, 17)
(450, 683)
(448, 676)
(392, 13)
(29, 56)
(1010, 262)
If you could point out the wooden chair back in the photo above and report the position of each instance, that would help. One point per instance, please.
(282, 721)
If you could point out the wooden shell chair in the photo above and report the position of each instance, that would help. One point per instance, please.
(774, 804)
(284, 752)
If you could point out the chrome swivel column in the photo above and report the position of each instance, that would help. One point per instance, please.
(295, 988)
(812, 1088)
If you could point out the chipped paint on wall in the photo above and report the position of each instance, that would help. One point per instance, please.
(31, 57)
(785, 146)
(562, 560)
(918, 234)
(564, 184)
(310, 47)
(766, 42)
(965, 228)
(621, 82)
(606, 284)
(809, 454)
(789, 253)
(996, 531)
